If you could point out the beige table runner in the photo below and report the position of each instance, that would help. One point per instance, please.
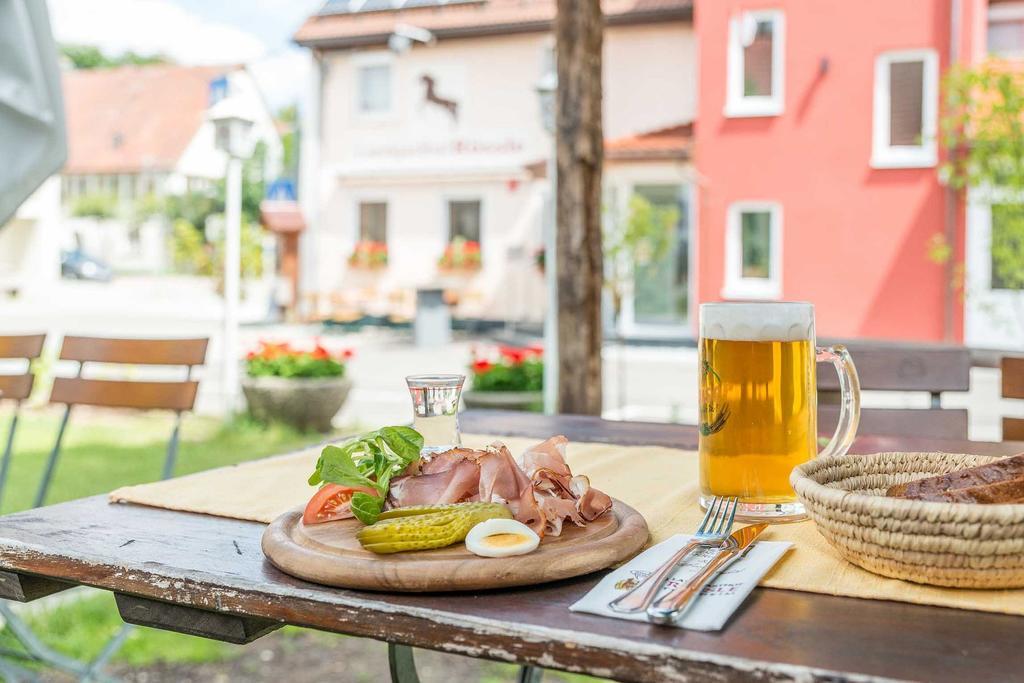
(659, 482)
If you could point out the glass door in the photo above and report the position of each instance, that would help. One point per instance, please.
(661, 297)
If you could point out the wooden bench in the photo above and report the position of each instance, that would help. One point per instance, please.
(1012, 379)
(929, 369)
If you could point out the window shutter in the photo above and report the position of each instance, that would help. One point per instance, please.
(906, 95)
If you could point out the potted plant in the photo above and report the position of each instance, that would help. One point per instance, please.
(302, 388)
(369, 255)
(510, 379)
(461, 255)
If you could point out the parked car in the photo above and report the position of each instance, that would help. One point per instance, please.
(75, 264)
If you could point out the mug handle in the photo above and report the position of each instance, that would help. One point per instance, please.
(849, 400)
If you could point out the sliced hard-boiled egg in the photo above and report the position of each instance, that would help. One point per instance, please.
(501, 538)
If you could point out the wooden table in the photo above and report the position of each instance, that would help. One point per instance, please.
(206, 576)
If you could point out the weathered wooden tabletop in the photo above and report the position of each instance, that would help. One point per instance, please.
(207, 576)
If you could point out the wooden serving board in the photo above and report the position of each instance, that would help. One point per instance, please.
(330, 554)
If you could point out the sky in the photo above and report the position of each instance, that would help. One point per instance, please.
(255, 32)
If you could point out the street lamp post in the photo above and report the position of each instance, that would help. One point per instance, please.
(546, 88)
(233, 136)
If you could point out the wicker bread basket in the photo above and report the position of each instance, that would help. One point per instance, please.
(944, 544)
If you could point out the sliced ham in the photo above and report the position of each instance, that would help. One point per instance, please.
(526, 510)
(454, 485)
(541, 492)
(593, 504)
(556, 510)
(500, 477)
(549, 455)
(442, 462)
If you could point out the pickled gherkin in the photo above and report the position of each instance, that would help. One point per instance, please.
(413, 510)
(425, 527)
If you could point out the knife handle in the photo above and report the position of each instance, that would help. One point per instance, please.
(678, 599)
(643, 594)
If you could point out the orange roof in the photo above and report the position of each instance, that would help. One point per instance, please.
(666, 143)
(458, 20)
(134, 118)
(281, 216)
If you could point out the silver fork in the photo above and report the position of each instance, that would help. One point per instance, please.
(714, 528)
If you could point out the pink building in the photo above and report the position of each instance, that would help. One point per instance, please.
(817, 148)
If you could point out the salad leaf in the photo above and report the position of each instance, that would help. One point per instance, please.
(406, 442)
(336, 466)
(366, 508)
(370, 460)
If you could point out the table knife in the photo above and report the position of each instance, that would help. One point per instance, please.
(670, 606)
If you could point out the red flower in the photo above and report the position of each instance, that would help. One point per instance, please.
(535, 349)
(482, 366)
(347, 354)
(250, 355)
(512, 354)
(320, 353)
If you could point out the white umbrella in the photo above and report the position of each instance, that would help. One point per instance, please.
(33, 143)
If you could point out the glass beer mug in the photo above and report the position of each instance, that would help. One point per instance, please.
(758, 404)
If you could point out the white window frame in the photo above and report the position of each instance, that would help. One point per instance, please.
(371, 59)
(925, 155)
(739, 287)
(736, 103)
(1004, 12)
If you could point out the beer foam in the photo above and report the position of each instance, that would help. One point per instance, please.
(774, 321)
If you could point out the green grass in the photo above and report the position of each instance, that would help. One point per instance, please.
(102, 451)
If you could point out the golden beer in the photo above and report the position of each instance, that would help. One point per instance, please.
(758, 417)
(758, 404)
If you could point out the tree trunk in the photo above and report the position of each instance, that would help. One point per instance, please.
(580, 144)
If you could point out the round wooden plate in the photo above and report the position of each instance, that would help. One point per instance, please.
(330, 554)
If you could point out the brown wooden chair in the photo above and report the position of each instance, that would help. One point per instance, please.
(902, 368)
(16, 387)
(1012, 379)
(177, 396)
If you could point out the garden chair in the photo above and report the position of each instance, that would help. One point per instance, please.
(16, 387)
(1012, 381)
(177, 396)
(902, 367)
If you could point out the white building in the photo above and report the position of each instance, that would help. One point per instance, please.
(426, 129)
(140, 131)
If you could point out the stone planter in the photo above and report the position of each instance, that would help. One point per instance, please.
(308, 404)
(526, 401)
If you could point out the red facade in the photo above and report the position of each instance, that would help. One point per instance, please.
(852, 231)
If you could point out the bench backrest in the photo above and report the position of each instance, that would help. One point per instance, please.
(26, 347)
(145, 395)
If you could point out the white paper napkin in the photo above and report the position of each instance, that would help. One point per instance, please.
(717, 601)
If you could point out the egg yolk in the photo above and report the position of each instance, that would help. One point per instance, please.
(504, 540)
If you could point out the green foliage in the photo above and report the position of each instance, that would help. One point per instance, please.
(189, 250)
(644, 237)
(146, 207)
(194, 207)
(91, 57)
(290, 140)
(254, 185)
(192, 253)
(983, 127)
(101, 206)
(1008, 246)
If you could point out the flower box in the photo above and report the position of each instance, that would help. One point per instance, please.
(508, 378)
(304, 389)
(369, 255)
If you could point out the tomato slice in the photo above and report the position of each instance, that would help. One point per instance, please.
(331, 502)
